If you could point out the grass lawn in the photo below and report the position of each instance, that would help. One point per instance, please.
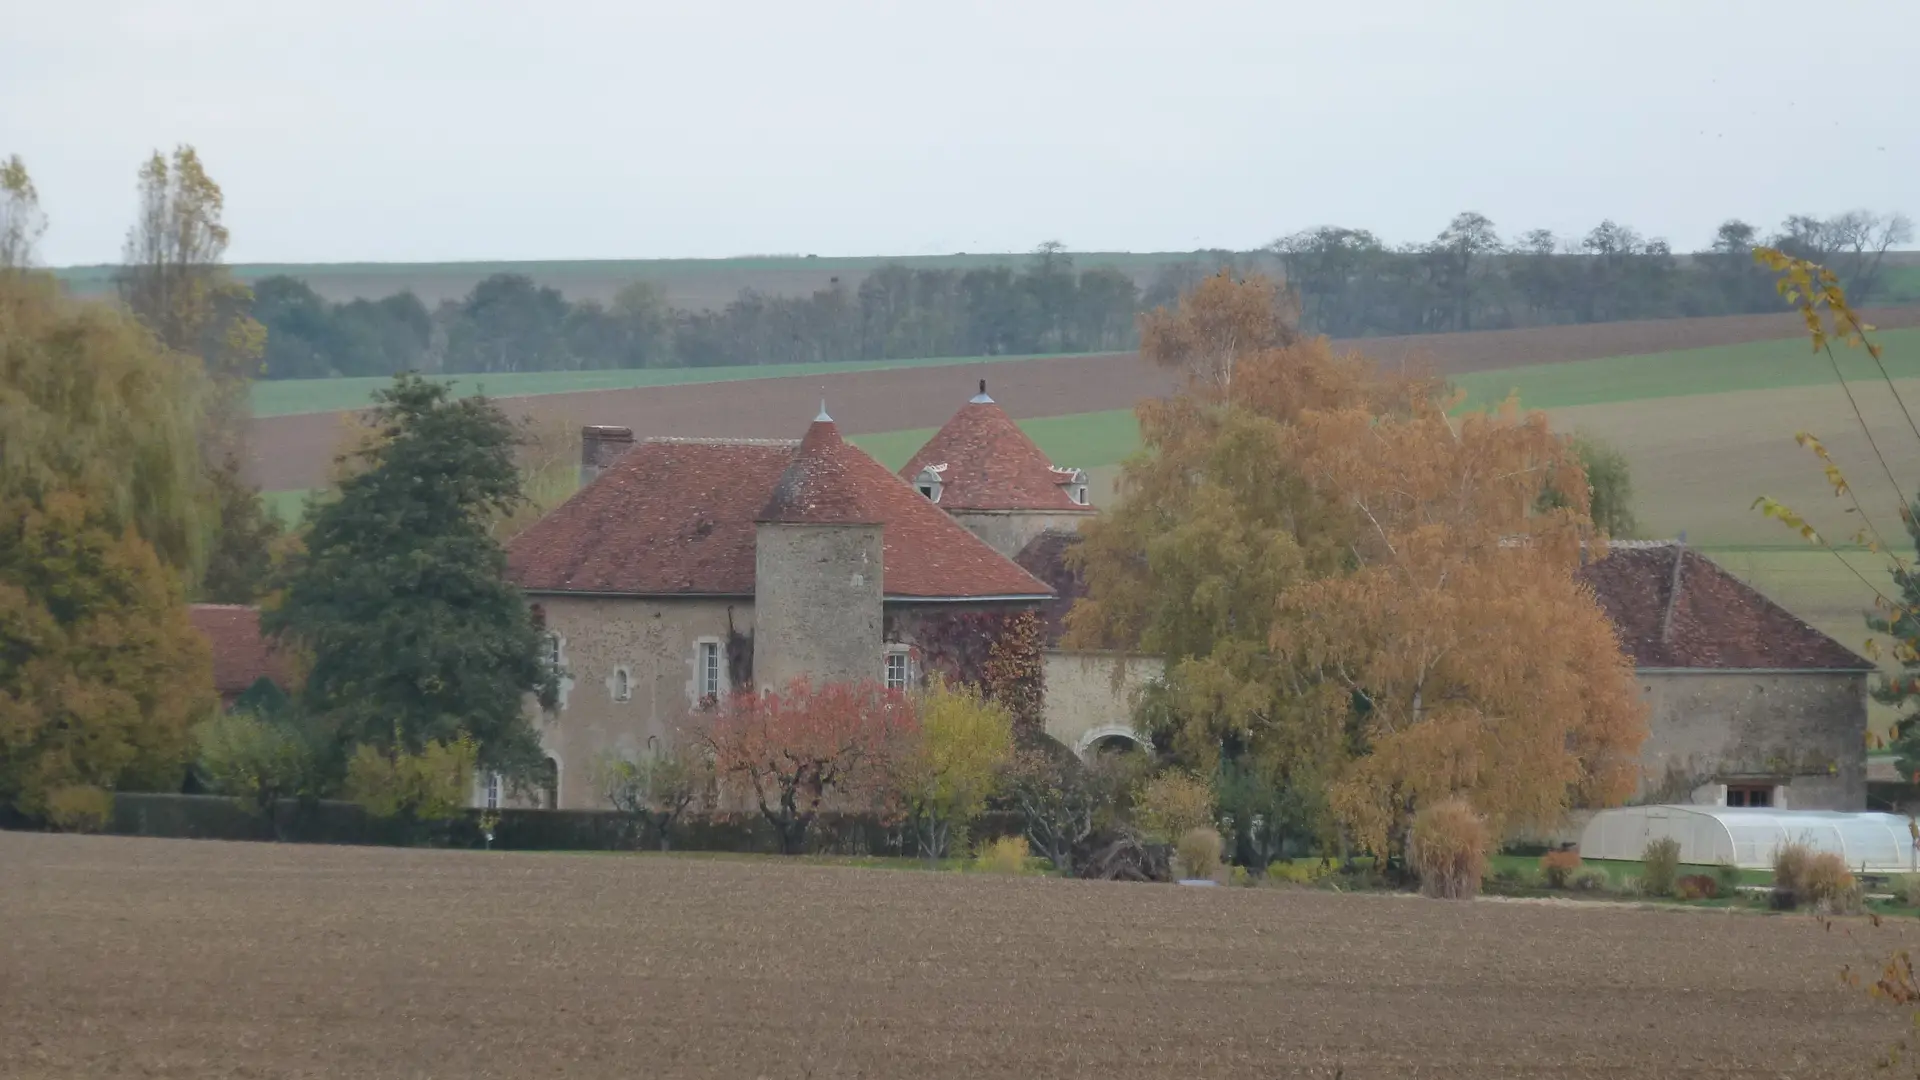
(1618, 870)
(286, 397)
(288, 506)
(1763, 365)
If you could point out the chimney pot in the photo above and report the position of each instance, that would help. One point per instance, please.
(600, 446)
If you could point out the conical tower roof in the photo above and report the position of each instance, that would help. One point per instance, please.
(821, 485)
(990, 464)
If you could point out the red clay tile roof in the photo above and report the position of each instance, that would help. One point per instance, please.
(1718, 621)
(991, 464)
(241, 655)
(817, 487)
(677, 517)
(670, 516)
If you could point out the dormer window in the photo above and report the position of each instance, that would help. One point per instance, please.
(1075, 483)
(928, 481)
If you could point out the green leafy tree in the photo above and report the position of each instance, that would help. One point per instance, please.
(241, 562)
(965, 743)
(1610, 484)
(1609, 488)
(420, 788)
(655, 788)
(400, 597)
(101, 674)
(258, 756)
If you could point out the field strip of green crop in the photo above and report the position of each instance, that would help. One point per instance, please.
(288, 397)
(1765, 365)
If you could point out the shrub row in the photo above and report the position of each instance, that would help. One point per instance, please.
(209, 817)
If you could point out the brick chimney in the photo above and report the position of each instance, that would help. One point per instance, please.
(601, 446)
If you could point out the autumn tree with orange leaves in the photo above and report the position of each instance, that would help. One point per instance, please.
(1355, 591)
(791, 752)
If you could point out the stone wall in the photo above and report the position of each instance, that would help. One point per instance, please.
(656, 642)
(817, 602)
(1084, 703)
(1805, 732)
(1007, 531)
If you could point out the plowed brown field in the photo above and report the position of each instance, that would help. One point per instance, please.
(292, 451)
(154, 958)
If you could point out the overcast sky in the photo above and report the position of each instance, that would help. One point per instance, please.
(416, 130)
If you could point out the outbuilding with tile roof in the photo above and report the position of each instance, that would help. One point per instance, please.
(1750, 705)
(242, 655)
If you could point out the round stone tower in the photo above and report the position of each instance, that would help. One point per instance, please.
(817, 570)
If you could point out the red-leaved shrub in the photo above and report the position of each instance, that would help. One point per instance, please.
(1696, 887)
(1558, 868)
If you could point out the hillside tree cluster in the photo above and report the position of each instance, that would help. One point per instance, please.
(1348, 283)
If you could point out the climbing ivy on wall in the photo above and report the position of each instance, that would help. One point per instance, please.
(996, 651)
(1014, 675)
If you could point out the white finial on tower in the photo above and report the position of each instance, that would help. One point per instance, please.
(823, 413)
(981, 398)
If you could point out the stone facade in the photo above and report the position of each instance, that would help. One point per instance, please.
(1008, 531)
(1086, 706)
(657, 644)
(818, 598)
(1801, 734)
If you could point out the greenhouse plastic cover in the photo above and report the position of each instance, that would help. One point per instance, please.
(1748, 838)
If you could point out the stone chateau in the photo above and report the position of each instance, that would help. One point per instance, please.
(688, 568)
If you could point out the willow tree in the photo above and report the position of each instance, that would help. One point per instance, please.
(90, 402)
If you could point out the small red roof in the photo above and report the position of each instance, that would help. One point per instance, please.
(241, 655)
(818, 486)
(678, 516)
(1716, 621)
(990, 464)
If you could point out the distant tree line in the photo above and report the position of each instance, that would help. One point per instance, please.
(510, 323)
(1347, 282)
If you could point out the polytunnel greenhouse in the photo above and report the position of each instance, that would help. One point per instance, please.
(1748, 838)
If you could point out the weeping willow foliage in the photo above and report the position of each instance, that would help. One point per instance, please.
(91, 403)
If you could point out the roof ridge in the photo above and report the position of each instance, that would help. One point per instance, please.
(717, 441)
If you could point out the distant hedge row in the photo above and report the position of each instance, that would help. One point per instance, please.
(210, 817)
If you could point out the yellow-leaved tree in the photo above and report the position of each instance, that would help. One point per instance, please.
(1460, 654)
(1358, 595)
(103, 513)
(963, 744)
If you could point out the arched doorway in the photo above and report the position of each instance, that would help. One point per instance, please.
(1111, 739)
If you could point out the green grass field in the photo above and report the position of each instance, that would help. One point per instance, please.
(1766, 365)
(286, 397)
